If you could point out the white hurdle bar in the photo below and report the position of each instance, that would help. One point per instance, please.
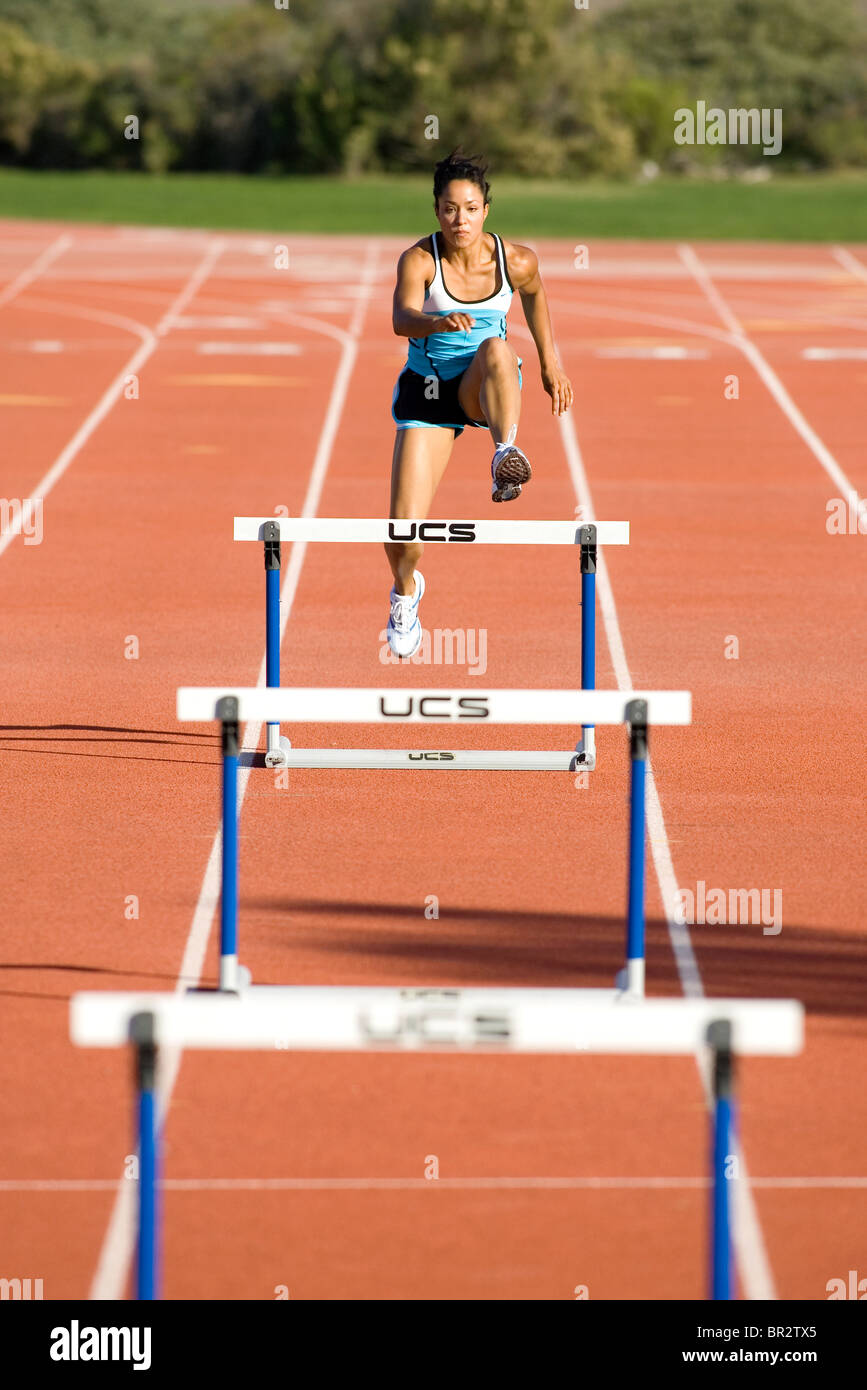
(372, 705)
(638, 709)
(477, 1020)
(272, 531)
(339, 1018)
(359, 530)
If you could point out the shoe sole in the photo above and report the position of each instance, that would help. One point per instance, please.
(512, 471)
(405, 656)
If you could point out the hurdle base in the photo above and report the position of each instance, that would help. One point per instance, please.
(234, 978)
(630, 980)
(278, 750)
(585, 751)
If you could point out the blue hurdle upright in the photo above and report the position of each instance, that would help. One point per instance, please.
(324, 705)
(271, 531)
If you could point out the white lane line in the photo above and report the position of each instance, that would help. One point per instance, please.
(119, 1243)
(769, 377)
(752, 1259)
(662, 353)
(678, 933)
(26, 277)
(849, 262)
(752, 1255)
(214, 321)
(612, 269)
(830, 354)
(813, 1184)
(174, 313)
(249, 349)
(109, 398)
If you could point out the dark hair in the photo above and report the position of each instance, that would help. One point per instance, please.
(458, 165)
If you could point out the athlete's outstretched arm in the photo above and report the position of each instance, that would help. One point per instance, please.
(524, 274)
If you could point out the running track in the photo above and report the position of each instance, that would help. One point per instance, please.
(309, 1171)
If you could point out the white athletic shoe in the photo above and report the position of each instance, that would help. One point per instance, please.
(404, 629)
(509, 469)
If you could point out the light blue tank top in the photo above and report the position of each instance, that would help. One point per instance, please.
(447, 355)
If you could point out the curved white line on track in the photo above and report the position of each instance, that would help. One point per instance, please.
(111, 394)
(119, 1242)
(690, 326)
(768, 376)
(26, 277)
(315, 325)
(76, 311)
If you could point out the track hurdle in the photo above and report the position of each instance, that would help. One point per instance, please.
(271, 531)
(477, 1020)
(325, 705)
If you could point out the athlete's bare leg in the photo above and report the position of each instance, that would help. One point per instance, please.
(489, 388)
(418, 464)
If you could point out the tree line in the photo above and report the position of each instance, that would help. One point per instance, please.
(541, 87)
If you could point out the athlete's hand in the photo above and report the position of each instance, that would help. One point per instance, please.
(558, 386)
(453, 323)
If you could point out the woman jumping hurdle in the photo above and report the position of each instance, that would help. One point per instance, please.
(460, 369)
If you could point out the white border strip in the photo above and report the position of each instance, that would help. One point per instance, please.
(363, 529)
(554, 1183)
(367, 705)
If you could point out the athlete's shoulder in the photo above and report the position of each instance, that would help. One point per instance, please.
(420, 253)
(522, 264)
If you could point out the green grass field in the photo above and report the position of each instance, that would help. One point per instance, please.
(786, 208)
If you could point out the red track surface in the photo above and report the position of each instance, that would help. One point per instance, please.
(105, 796)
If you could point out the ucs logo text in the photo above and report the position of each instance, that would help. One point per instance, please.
(448, 1026)
(432, 531)
(432, 707)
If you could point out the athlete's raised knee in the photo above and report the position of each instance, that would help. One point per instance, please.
(495, 354)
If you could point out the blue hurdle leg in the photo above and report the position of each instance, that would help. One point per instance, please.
(721, 1274)
(587, 536)
(588, 651)
(271, 537)
(227, 713)
(634, 974)
(147, 1259)
(272, 642)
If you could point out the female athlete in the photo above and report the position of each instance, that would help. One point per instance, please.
(453, 292)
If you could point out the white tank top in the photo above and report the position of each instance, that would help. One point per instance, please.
(440, 301)
(449, 354)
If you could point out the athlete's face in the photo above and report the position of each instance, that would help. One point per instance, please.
(461, 212)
